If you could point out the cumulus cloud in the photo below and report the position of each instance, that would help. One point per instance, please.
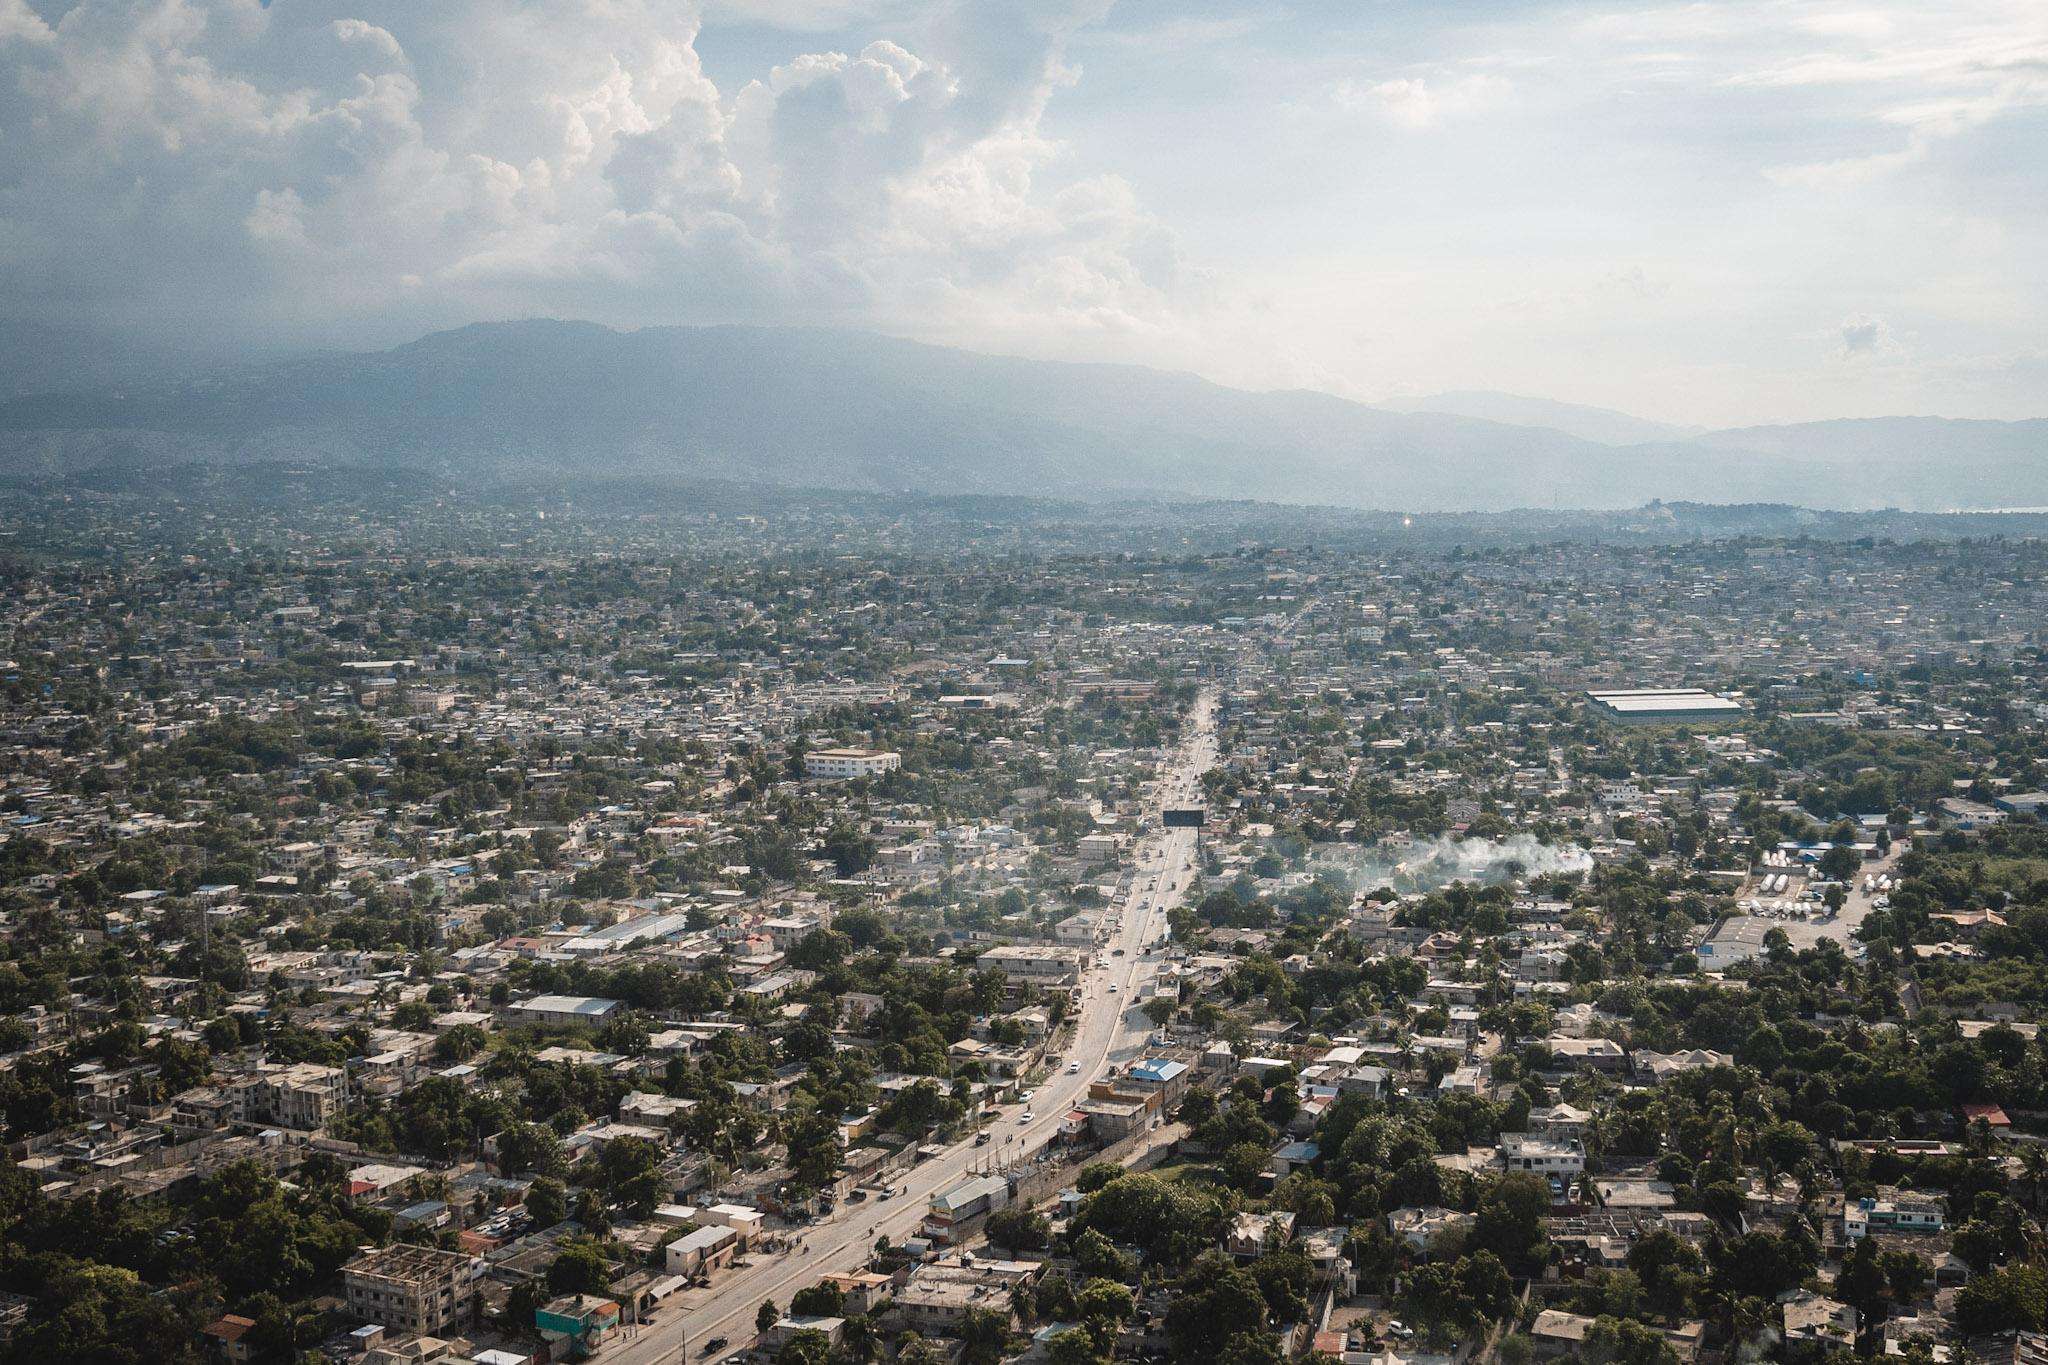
(387, 164)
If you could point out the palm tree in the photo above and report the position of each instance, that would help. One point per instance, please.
(2034, 1171)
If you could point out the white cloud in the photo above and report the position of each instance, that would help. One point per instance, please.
(378, 162)
(1423, 102)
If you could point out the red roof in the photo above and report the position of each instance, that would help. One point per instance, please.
(1990, 1113)
(230, 1327)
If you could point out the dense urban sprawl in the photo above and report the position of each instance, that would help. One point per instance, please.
(474, 937)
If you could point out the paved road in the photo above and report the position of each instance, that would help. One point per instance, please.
(1111, 1029)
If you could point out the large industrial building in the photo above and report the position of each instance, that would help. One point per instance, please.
(1664, 706)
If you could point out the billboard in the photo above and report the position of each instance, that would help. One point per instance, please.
(1185, 817)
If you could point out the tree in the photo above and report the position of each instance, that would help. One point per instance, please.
(2008, 1297)
(851, 850)
(1095, 1175)
(1017, 1228)
(1312, 1201)
(821, 1300)
(1669, 1268)
(1622, 1341)
(984, 1333)
(1075, 1346)
(529, 1147)
(1094, 1254)
(1249, 1348)
(1105, 1301)
(579, 1268)
(806, 1347)
(1284, 1278)
(1243, 1166)
(1510, 1221)
(1861, 1283)
(1216, 1300)
(766, 1316)
(1169, 1220)
(93, 1314)
(547, 1201)
(1906, 1274)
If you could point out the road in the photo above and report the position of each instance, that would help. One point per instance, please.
(1110, 1030)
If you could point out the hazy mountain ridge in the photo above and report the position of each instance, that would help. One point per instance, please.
(826, 409)
(1604, 426)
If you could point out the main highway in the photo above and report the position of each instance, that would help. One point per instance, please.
(1110, 1030)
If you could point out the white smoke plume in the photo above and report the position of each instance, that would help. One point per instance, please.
(1435, 864)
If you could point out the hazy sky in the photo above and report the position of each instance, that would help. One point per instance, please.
(1739, 210)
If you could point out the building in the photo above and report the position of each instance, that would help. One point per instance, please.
(1738, 939)
(834, 765)
(1037, 965)
(1899, 1212)
(792, 1325)
(578, 1322)
(1252, 1235)
(561, 1011)
(1814, 1320)
(303, 1095)
(937, 1298)
(1158, 1075)
(701, 1249)
(1546, 1157)
(1586, 1054)
(412, 1288)
(1664, 706)
(1662, 1066)
(970, 1199)
(1559, 1122)
(229, 1333)
(745, 1222)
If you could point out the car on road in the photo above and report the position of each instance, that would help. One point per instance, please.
(1025, 1117)
(714, 1345)
(1112, 988)
(1073, 1068)
(981, 1139)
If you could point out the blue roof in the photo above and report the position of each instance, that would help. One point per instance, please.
(1158, 1069)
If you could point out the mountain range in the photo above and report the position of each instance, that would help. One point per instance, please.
(823, 409)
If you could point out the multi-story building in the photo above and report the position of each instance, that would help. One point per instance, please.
(841, 764)
(413, 1288)
(1896, 1212)
(1037, 965)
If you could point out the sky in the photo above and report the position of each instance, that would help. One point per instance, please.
(1722, 213)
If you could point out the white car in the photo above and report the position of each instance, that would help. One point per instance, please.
(1073, 1068)
(1025, 1117)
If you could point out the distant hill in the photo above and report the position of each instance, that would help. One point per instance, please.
(1601, 425)
(805, 408)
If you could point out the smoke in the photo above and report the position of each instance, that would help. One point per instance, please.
(1436, 864)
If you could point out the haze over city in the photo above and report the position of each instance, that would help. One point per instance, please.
(1706, 214)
